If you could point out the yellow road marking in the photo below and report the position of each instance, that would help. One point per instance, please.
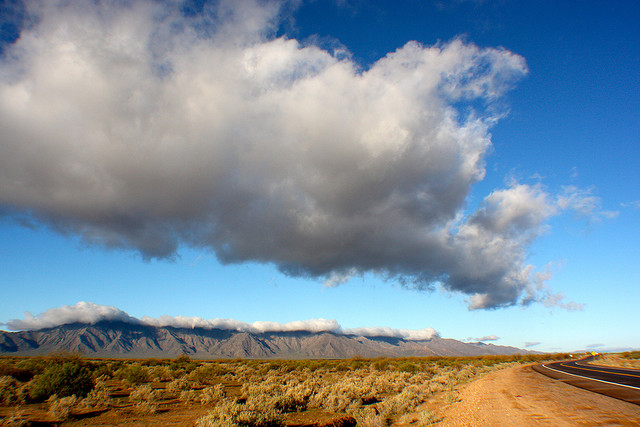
(597, 370)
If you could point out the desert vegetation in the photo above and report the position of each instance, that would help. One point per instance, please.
(627, 359)
(225, 393)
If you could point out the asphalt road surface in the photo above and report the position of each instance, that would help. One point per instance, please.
(615, 382)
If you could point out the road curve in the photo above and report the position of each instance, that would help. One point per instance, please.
(615, 382)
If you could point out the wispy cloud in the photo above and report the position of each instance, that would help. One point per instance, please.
(584, 203)
(634, 204)
(91, 313)
(531, 344)
(592, 346)
(134, 125)
(484, 338)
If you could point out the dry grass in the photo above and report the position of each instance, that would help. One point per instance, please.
(60, 407)
(630, 359)
(376, 392)
(145, 399)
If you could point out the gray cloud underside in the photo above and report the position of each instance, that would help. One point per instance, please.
(91, 313)
(135, 127)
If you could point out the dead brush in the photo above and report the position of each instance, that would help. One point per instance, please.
(98, 397)
(60, 407)
(178, 385)
(231, 414)
(427, 418)
(145, 399)
(161, 373)
(9, 390)
(189, 396)
(371, 417)
(213, 394)
(17, 418)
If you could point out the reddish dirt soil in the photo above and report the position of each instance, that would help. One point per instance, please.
(519, 396)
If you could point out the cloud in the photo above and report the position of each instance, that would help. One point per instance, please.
(634, 204)
(140, 126)
(591, 346)
(82, 312)
(531, 344)
(583, 203)
(90, 313)
(491, 337)
(408, 334)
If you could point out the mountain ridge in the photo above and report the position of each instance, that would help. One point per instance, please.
(127, 340)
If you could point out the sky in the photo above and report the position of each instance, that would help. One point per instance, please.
(467, 169)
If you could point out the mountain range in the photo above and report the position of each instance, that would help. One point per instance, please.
(127, 340)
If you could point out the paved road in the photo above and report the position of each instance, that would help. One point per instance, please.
(619, 376)
(615, 382)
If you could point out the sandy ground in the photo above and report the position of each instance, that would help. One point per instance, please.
(519, 396)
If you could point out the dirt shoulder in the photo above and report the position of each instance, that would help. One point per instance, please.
(519, 396)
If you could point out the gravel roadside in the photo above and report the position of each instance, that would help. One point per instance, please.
(519, 396)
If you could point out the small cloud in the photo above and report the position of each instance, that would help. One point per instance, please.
(484, 338)
(531, 344)
(583, 203)
(339, 278)
(595, 345)
(558, 300)
(573, 173)
(635, 204)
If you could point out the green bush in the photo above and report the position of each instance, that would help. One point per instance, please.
(63, 379)
(381, 365)
(134, 374)
(408, 367)
(183, 363)
(22, 370)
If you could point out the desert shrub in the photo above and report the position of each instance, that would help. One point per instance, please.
(16, 418)
(371, 417)
(145, 407)
(190, 396)
(98, 397)
(63, 379)
(408, 367)
(145, 399)
(232, 414)
(212, 394)
(60, 408)
(160, 373)
(289, 402)
(9, 390)
(154, 362)
(178, 384)
(427, 418)
(381, 365)
(143, 392)
(208, 372)
(357, 364)
(183, 363)
(134, 374)
(22, 370)
(102, 370)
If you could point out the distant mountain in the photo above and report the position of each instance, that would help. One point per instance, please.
(120, 339)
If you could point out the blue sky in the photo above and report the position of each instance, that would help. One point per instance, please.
(156, 156)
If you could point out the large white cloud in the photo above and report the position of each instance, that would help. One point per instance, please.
(136, 126)
(81, 312)
(91, 313)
